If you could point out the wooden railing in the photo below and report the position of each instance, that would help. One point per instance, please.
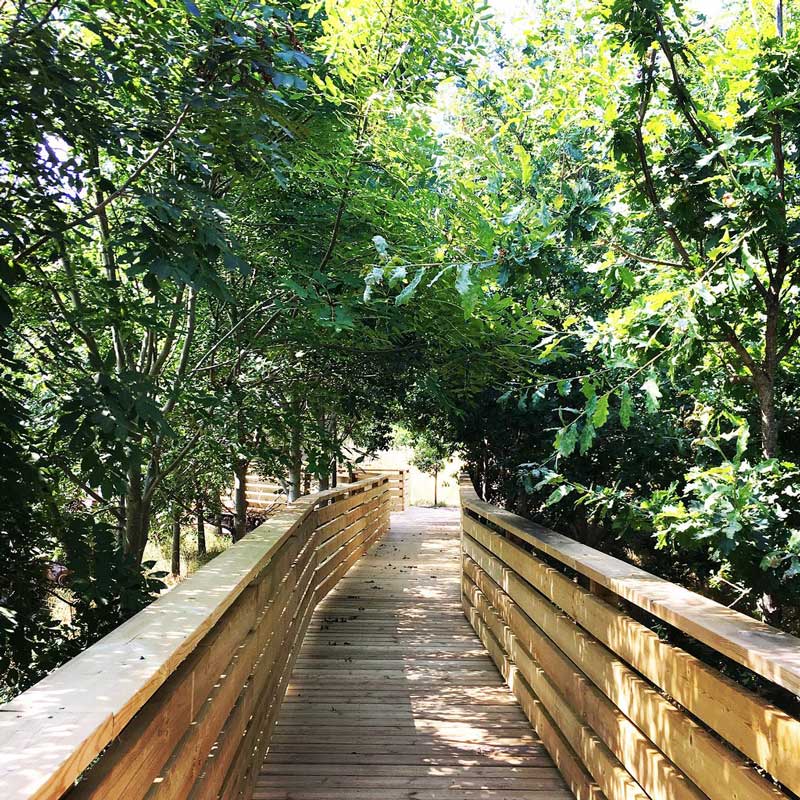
(623, 712)
(179, 701)
(267, 495)
(398, 483)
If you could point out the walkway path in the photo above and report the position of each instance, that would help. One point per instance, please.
(393, 697)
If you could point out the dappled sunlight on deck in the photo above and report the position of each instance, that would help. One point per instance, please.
(436, 659)
(393, 696)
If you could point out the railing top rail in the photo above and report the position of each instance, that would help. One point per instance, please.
(765, 650)
(50, 733)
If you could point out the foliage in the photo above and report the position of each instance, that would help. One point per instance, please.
(431, 451)
(189, 194)
(634, 200)
(561, 237)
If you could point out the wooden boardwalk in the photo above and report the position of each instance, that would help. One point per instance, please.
(393, 696)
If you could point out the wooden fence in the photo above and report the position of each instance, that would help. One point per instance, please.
(398, 483)
(263, 494)
(179, 702)
(266, 495)
(625, 714)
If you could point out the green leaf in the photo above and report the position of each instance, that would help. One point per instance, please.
(566, 439)
(381, 245)
(558, 494)
(295, 287)
(651, 394)
(625, 406)
(409, 290)
(525, 167)
(627, 277)
(600, 415)
(463, 281)
(587, 437)
(588, 389)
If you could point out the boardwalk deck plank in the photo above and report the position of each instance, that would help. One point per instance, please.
(393, 695)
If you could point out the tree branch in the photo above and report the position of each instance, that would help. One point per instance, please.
(32, 248)
(790, 342)
(731, 337)
(644, 259)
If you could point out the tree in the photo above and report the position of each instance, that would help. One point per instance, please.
(638, 203)
(119, 220)
(430, 455)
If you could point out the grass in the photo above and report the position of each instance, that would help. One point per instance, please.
(191, 560)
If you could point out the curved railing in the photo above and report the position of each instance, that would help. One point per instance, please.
(623, 712)
(179, 701)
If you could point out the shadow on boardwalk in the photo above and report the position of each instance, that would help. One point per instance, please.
(393, 696)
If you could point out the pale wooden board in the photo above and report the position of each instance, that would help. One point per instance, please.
(393, 696)
(765, 733)
(50, 733)
(769, 652)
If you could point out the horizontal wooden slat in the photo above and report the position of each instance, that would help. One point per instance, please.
(760, 730)
(579, 781)
(614, 780)
(697, 752)
(765, 650)
(97, 693)
(50, 733)
(576, 644)
(642, 759)
(144, 746)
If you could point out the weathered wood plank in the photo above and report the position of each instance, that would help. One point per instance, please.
(767, 651)
(401, 719)
(764, 733)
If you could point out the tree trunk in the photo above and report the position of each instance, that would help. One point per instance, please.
(201, 528)
(218, 524)
(769, 427)
(176, 541)
(768, 603)
(121, 524)
(436, 487)
(294, 481)
(240, 499)
(137, 515)
(333, 467)
(295, 475)
(324, 477)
